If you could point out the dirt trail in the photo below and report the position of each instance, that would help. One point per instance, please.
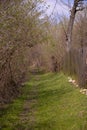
(27, 109)
(27, 116)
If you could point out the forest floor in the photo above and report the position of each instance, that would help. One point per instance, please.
(48, 102)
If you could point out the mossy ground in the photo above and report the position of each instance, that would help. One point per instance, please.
(54, 104)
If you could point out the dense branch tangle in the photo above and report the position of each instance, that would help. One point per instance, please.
(20, 30)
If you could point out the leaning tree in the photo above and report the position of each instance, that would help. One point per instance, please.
(77, 5)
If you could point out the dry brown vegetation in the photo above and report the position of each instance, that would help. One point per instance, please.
(30, 41)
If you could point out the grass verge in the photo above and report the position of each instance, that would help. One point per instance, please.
(9, 117)
(60, 106)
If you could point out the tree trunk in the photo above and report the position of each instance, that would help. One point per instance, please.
(69, 35)
(70, 26)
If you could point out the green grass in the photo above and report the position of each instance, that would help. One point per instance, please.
(59, 106)
(9, 117)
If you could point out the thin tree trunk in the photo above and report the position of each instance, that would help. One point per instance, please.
(69, 35)
(70, 26)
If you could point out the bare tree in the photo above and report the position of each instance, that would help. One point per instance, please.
(77, 6)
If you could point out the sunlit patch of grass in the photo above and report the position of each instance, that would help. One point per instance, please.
(10, 118)
(60, 106)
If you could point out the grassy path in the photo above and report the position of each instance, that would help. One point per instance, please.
(48, 102)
